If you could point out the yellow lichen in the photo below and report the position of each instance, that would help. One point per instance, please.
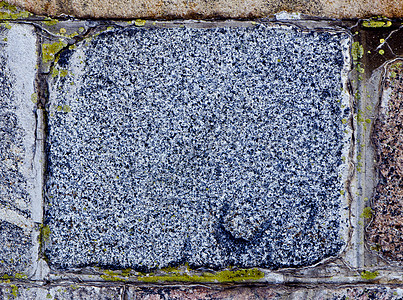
(367, 213)
(50, 22)
(49, 51)
(34, 97)
(139, 22)
(357, 51)
(376, 23)
(367, 275)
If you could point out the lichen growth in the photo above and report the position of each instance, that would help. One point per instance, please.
(21, 15)
(115, 276)
(367, 275)
(49, 51)
(357, 51)
(376, 23)
(7, 25)
(44, 233)
(34, 98)
(139, 22)
(66, 109)
(14, 290)
(367, 213)
(50, 22)
(222, 276)
(63, 73)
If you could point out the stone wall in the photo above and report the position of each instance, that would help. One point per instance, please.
(207, 159)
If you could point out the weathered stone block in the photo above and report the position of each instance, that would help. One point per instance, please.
(214, 147)
(386, 232)
(20, 171)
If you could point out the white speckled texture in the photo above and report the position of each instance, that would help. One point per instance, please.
(19, 189)
(214, 147)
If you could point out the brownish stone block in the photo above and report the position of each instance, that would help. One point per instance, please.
(386, 230)
(199, 9)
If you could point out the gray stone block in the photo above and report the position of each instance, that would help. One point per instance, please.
(66, 291)
(20, 171)
(213, 147)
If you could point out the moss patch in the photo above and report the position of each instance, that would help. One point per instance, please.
(367, 213)
(222, 276)
(367, 275)
(50, 50)
(44, 233)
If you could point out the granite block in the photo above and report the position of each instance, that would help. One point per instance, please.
(212, 147)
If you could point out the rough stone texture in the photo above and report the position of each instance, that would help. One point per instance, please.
(196, 292)
(386, 231)
(214, 147)
(17, 147)
(72, 291)
(249, 293)
(211, 8)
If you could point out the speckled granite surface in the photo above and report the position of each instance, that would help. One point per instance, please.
(17, 147)
(212, 147)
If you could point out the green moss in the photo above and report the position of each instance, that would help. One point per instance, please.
(49, 296)
(367, 275)
(112, 276)
(50, 50)
(367, 213)
(357, 51)
(126, 272)
(222, 276)
(44, 233)
(66, 109)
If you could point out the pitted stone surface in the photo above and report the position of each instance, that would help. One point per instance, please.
(386, 232)
(202, 9)
(18, 186)
(213, 146)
